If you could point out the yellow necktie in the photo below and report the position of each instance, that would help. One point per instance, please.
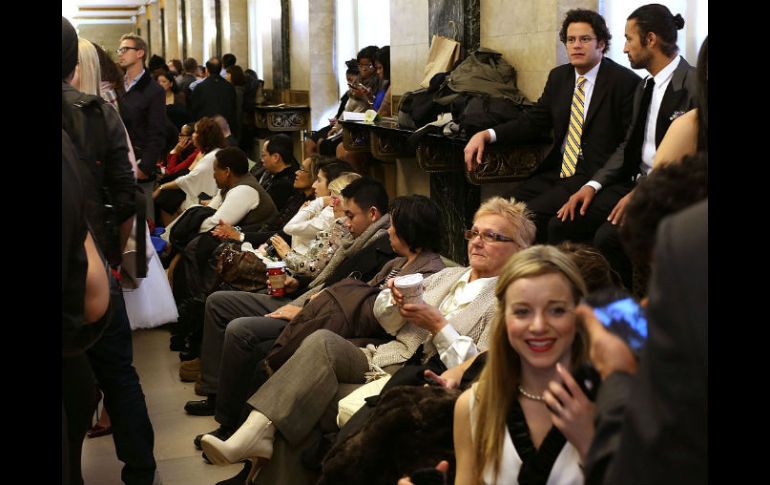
(572, 144)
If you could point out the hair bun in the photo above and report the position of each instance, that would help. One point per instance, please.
(678, 21)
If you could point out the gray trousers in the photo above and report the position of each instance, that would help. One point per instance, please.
(222, 307)
(309, 385)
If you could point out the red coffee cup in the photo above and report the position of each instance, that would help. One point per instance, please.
(276, 278)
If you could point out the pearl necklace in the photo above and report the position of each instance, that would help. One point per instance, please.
(528, 395)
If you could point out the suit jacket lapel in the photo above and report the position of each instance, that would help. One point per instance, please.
(672, 100)
(600, 91)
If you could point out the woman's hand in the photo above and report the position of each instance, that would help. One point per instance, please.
(281, 246)
(181, 145)
(571, 411)
(225, 231)
(424, 316)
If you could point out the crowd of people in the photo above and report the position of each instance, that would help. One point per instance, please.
(498, 349)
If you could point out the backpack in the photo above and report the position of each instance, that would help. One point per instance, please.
(84, 122)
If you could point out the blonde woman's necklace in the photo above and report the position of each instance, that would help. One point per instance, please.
(529, 395)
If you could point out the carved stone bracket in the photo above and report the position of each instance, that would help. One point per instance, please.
(507, 165)
(439, 157)
(355, 138)
(388, 148)
(281, 118)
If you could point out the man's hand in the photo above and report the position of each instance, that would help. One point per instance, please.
(225, 231)
(286, 312)
(607, 352)
(619, 211)
(156, 192)
(141, 176)
(474, 150)
(290, 284)
(584, 196)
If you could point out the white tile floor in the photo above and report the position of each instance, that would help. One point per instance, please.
(178, 461)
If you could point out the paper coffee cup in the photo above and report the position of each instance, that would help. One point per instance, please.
(276, 277)
(410, 286)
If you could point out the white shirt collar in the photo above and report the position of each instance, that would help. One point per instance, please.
(665, 74)
(591, 74)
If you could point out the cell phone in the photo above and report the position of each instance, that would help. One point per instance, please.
(589, 380)
(625, 318)
(270, 251)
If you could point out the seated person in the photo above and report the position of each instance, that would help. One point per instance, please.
(381, 103)
(318, 141)
(315, 216)
(258, 234)
(177, 195)
(452, 323)
(325, 244)
(365, 202)
(414, 234)
(181, 156)
(544, 429)
(276, 173)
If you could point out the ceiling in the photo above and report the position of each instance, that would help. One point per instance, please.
(96, 11)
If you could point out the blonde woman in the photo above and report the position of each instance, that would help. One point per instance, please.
(526, 420)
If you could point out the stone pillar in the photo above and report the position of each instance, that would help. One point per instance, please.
(173, 47)
(323, 78)
(194, 21)
(280, 30)
(153, 14)
(235, 30)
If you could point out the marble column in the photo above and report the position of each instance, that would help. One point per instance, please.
(173, 45)
(281, 32)
(456, 19)
(194, 14)
(153, 14)
(235, 30)
(324, 98)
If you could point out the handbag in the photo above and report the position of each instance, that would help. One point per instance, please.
(152, 303)
(444, 52)
(242, 270)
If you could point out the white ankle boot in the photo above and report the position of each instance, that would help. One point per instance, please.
(254, 439)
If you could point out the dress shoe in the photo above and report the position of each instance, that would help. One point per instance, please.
(253, 441)
(98, 430)
(190, 370)
(206, 407)
(177, 343)
(187, 355)
(223, 433)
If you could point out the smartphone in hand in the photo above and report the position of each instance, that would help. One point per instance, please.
(623, 316)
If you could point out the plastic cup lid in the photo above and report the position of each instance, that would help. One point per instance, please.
(275, 264)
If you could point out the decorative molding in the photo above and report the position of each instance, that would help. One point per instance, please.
(439, 157)
(387, 147)
(355, 138)
(275, 118)
(507, 166)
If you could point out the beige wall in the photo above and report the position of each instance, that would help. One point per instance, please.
(408, 43)
(194, 21)
(107, 36)
(157, 41)
(526, 33)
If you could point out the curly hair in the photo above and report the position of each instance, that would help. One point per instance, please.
(590, 17)
(209, 135)
(669, 188)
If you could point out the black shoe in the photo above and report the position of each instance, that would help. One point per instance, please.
(240, 478)
(177, 343)
(205, 407)
(221, 432)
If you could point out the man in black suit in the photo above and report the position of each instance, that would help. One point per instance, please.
(214, 96)
(669, 92)
(653, 427)
(586, 104)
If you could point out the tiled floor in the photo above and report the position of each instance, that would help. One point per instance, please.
(179, 462)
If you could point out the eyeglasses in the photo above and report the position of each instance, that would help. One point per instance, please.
(584, 39)
(123, 50)
(487, 237)
(365, 67)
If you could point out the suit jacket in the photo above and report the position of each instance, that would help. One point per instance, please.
(605, 125)
(143, 109)
(680, 96)
(661, 436)
(214, 96)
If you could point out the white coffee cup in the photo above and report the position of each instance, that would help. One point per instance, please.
(410, 287)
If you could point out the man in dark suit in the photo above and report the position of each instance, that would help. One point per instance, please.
(214, 96)
(668, 92)
(586, 104)
(653, 427)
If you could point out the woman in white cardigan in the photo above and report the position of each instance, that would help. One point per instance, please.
(209, 139)
(453, 322)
